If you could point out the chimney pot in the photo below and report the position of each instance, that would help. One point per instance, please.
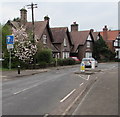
(74, 26)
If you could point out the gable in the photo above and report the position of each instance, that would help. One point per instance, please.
(89, 38)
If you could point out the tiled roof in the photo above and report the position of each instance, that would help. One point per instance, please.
(79, 38)
(111, 34)
(59, 34)
(39, 27)
(15, 24)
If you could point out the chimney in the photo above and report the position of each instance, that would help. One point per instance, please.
(91, 30)
(46, 18)
(105, 35)
(23, 13)
(74, 27)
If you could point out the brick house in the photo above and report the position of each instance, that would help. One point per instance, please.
(110, 37)
(62, 41)
(42, 30)
(83, 41)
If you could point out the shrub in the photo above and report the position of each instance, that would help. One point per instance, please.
(68, 61)
(43, 64)
(44, 56)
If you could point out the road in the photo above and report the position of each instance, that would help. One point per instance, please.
(43, 93)
(102, 97)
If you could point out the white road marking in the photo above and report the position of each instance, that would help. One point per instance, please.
(73, 103)
(81, 84)
(45, 115)
(88, 77)
(84, 77)
(67, 95)
(25, 89)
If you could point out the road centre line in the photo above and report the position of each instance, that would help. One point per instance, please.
(25, 89)
(73, 102)
(68, 95)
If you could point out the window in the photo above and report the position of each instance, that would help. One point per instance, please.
(116, 43)
(98, 38)
(44, 39)
(65, 42)
(88, 44)
(88, 54)
(65, 55)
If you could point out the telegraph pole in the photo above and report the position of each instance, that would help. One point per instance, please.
(32, 6)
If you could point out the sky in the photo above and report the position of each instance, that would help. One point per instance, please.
(88, 14)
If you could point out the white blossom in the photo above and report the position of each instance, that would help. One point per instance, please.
(24, 49)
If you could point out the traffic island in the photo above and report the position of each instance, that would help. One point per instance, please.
(88, 71)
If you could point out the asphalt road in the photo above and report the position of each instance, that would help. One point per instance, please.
(42, 93)
(102, 97)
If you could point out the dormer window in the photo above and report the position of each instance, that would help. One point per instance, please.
(65, 42)
(44, 39)
(88, 44)
(98, 38)
(115, 43)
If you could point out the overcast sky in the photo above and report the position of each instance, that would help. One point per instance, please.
(88, 14)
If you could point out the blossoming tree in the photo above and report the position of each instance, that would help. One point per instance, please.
(24, 49)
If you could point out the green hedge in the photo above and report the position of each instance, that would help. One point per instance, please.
(68, 61)
(44, 56)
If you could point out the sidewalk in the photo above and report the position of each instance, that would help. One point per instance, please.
(14, 73)
(102, 98)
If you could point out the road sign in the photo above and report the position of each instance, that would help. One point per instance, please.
(10, 46)
(10, 39)
(82, 67)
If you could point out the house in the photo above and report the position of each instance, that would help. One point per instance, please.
(83, 41)
(116, 44)
(42, 31)
(62, 41)
(111, 39)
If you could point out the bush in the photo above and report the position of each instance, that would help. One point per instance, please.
(68, 61)
(44, 56)
(43, 64)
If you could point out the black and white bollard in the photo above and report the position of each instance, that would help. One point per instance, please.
(18, 69)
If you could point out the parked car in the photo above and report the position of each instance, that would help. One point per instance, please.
(88, 62)
(75, 58)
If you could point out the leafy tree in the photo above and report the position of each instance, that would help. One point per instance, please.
(101, 50)
(5, 30)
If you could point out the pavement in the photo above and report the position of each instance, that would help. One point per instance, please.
(13, 74)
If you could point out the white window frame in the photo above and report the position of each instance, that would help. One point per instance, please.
(88, 54)
(66, 55)
(88, 44)
(115, 43)
(98, 37)
(44, 39)
(65, 42)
